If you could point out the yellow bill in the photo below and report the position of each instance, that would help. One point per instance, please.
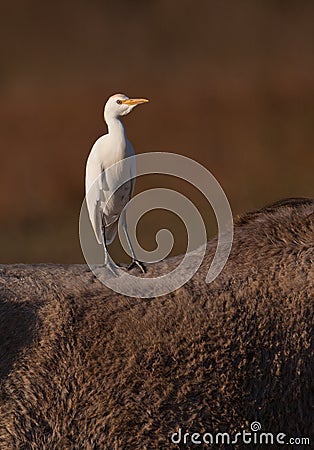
(134, 101)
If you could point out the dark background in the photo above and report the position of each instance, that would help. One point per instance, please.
(230, 83)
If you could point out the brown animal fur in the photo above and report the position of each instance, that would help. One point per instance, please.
(85, 368)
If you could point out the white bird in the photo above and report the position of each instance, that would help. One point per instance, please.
(104, 202)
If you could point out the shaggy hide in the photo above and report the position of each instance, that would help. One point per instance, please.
(84, 368)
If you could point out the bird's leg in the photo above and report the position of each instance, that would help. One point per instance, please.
(108, 261)
(135, 261)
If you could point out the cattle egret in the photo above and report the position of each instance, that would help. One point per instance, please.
(104, 202)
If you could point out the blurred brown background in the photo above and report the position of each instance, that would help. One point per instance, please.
(230, 83)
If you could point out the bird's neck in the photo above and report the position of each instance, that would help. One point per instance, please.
(115, 127)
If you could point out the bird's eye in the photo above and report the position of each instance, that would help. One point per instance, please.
(119, 102)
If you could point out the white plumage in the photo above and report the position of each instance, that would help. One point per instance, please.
(104, 202)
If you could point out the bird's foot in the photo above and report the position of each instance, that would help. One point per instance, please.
(139, 264)
(112, 267)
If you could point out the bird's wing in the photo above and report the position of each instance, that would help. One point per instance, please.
(133, 175)
(132, 166)
(118, 184)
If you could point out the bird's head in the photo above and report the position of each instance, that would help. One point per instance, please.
(120, 105)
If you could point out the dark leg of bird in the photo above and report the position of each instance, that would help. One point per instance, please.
(108, 261)
(105, 244)
(135, 262)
